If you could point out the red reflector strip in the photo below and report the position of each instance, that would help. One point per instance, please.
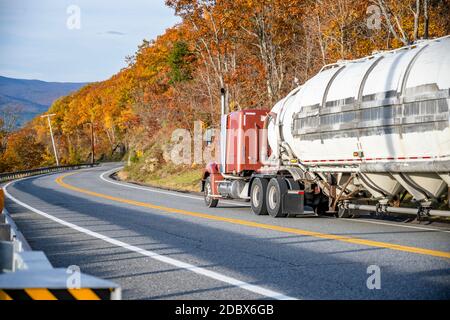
(374, 159)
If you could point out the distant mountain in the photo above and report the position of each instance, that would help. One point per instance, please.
(31, 97)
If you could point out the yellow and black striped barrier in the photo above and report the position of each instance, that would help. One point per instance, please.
(57, 294)
(51, 284)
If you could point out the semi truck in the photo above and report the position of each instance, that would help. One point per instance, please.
(369, 135)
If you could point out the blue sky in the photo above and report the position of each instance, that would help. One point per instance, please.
(35, 42)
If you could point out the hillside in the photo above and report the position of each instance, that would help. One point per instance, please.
(31, 97)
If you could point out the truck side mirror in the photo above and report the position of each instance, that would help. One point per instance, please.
(209, 135)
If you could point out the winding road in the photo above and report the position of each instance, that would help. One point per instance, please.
(160, 244)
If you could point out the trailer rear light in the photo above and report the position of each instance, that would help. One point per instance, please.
(299, 192)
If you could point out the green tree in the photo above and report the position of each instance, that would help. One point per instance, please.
(180, 60)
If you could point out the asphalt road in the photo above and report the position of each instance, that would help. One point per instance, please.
(166, 245)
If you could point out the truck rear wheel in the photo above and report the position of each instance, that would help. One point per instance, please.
(274, 197)
(258, 196)
(209, 200)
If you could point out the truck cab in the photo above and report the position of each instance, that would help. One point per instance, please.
(241, 172)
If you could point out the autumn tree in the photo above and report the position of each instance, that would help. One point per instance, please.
(23, 151)
(257, 50)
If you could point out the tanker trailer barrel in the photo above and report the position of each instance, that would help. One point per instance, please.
(383, 119)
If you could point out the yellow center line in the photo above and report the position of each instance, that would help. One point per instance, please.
(247, 223)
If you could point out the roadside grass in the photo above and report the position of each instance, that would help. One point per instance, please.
(168, 176)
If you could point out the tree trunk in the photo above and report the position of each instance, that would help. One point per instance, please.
(425, 19)
(416, 20)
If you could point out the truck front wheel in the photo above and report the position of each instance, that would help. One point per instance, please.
(258, 196)
(209, 200)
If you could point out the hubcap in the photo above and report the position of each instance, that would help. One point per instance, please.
(272, 197)
(255, 195)
(208, 191)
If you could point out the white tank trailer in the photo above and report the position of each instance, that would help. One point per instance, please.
(370, 134)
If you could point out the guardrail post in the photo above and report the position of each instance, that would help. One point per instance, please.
(5, 232)
(6, 256)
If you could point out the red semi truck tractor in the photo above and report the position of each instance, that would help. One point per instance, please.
(244, 170)
(365, 135)
(241, 173)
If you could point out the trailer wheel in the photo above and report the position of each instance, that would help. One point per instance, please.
(275, 189)
(258, 196)
(209, 200)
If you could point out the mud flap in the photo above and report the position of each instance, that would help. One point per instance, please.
(293, 203)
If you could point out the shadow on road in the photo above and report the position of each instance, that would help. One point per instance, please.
(298, 266)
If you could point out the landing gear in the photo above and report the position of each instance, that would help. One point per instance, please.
(209, 200)
(258, 196)
(423, 213)
(343, 212)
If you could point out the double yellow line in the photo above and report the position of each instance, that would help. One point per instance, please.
(364, 242)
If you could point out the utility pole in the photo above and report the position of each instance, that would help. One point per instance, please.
(48, 116)
(92, 143)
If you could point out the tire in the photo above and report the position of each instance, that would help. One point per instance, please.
(292, 184)
(209, 201)
(258, 196)
(275, 189)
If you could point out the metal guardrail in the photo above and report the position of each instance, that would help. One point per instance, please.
(27, 173)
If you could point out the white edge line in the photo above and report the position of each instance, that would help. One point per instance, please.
(149, 189)
(177, 263)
